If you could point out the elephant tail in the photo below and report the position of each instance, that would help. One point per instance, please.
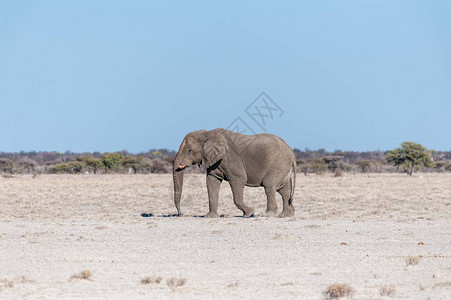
(293, 182)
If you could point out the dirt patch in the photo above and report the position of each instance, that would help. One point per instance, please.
(373, 232)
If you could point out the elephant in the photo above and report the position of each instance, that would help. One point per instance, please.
(242, 160)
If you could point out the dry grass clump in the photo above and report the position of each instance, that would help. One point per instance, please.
(6, 283)
(151, 279)
(8, 176)
(338, 290)
(171, 282)
(446, 284)
(175, 282)
(9, 283)
(437, 275)
(233, 284)
(85, 275)
(387, 290)
(283, 236)
(412, 260)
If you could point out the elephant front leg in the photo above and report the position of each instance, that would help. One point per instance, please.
(213, 185)
(237, 191)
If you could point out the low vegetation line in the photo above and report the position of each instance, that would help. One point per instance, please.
(410, 157)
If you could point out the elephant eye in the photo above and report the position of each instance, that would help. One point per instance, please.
(190, 151)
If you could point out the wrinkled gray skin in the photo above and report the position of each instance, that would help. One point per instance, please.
(242, 160)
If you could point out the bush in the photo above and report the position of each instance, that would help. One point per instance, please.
(304, 166)
(72, 167)
(25, 165)
(170, 159)
(444, 165)
(345, 167)
(319, 166)
(333, 162)
(159, 166)
(6, 165)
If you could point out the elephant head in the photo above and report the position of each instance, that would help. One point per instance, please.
(201, 147)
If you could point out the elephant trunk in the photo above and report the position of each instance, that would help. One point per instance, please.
(177, 176)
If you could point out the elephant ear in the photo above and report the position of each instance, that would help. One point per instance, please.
(214, 149)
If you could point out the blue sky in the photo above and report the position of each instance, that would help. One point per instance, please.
(135, 75)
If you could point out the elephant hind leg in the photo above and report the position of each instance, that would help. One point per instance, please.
(287, 198)
(271, 206)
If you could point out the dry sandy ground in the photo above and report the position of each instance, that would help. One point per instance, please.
(385, 236)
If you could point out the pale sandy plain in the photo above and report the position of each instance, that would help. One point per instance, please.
(387, 236)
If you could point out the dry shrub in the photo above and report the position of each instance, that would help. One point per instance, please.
(175, 282)
(85, 274)
(412, 260)
(338, 290)
(387, 290)
(151, 279)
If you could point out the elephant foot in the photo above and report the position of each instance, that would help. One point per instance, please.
(212, 214)
(287, 213)
(248, 213)
(270, 212)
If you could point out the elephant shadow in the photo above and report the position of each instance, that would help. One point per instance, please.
(151, 215)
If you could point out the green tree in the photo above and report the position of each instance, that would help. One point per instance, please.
(321, 151)
(72, 167)
(111, 160)
(135, 163)
(156, 153)
(411, 156)
(363, 164)
(91, 162)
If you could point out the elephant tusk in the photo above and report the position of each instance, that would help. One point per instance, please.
(181, 167)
